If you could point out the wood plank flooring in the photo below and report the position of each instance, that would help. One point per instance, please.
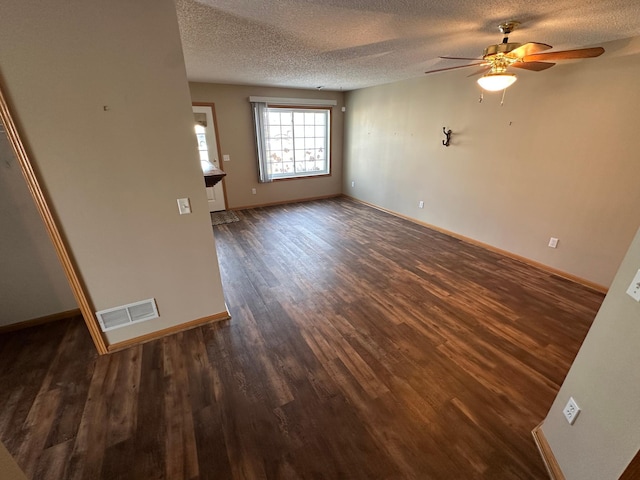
(361, 346)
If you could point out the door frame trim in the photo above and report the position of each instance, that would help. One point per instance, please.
(220, 157)
(59, 244)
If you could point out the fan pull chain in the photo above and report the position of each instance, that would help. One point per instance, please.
(481, 96)
(504, 92)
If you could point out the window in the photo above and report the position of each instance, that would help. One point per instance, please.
(203, 149)
(293, 142)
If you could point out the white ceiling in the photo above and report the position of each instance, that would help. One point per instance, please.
(344, 45)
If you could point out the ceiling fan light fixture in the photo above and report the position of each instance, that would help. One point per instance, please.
(494, 82)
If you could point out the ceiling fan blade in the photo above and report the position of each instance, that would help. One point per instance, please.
(480, 71)
(461, 58)
(453, 68)
(528, 49)
(565, 54)
(534, 66)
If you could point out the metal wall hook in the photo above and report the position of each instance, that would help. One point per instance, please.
(448, 134)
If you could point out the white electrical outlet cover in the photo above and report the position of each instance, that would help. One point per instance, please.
(634, 288)
(553, 242)
(571, 411)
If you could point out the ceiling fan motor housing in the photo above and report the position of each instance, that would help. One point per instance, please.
(503, 48)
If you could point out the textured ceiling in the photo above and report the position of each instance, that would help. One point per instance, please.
(344, 45)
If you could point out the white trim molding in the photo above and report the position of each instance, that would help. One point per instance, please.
(301, 102)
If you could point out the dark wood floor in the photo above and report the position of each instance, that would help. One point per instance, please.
(361, 346)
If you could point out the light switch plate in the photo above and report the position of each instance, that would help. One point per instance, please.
(634, 289)
(226, 158)
(184, 206)
(553, 242)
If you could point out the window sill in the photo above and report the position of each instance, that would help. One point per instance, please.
(285, 179)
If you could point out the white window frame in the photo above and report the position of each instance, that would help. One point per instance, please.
(265, 136)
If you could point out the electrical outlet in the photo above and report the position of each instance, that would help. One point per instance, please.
(634, 288)
(571, 411)
(353, 184)
(253, 191)
(553, 242)
(420, 204)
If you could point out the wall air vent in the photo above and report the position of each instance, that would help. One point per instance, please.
(127, 314)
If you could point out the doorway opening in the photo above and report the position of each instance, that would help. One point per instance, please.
(206, 132)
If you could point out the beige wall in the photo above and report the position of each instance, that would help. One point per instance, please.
(113, 176)
(604, 380)
(32, 282)
(237, 140)
(559, 159)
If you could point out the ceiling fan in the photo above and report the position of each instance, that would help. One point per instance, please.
(496, 59)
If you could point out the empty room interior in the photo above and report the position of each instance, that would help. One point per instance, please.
(316, 239)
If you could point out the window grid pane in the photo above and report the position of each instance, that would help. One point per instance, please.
(297, 142)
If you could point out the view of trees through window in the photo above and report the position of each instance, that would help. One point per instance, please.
(297, 141)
